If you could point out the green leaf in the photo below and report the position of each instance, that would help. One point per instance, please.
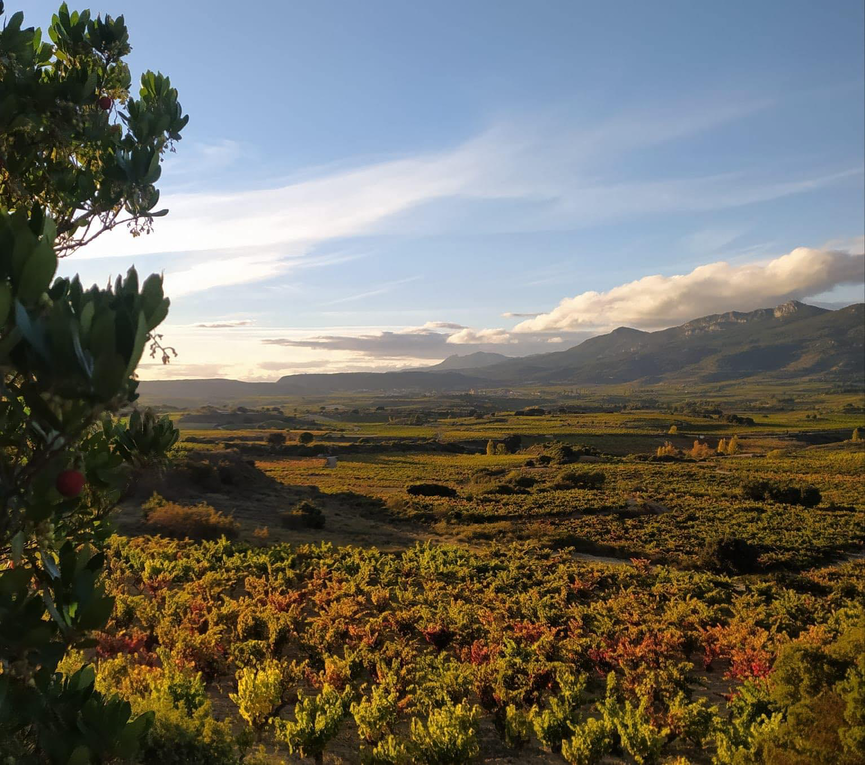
(5, 301)
(17, 547)
(109, 373)
(80, 756)
(138, 346)
(37, 273)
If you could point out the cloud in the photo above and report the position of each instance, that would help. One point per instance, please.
(433, 341)
(550, 172)
(478, 336)
(226, 324)
(380, 289)
(514, 315)
(661, 301)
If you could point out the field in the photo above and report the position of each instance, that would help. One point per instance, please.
(474, 580)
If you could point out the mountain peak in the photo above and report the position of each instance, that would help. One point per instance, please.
(790, 307)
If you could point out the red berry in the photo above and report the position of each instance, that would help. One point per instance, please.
(105, 103)
(70, 483)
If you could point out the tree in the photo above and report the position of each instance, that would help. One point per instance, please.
(857, 435)
(67, 361)
(276, 439)
(306, 437)
(73, 142)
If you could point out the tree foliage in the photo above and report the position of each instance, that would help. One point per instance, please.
(73, 141)
(68, 357)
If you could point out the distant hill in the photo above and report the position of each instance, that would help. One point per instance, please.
(475, 360)
(791, 341)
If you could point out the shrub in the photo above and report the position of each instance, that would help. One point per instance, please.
(388, 751)
(304, 515)
(306, 437)
(276, 439)
(514, 726)
(448, 737)
(316, 722)
(729, 555)
(673, 430)
(259, 692)
(179, 737)
(554, 723)
(857, 434)
(667, 450)
(430, 490)
(590, 742)
(375, 714)
(199, 521)
(700, 451)
(573, 479)
(806, 496)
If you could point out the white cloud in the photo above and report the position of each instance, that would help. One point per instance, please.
(475, 336)
(661, 301)
(225, 324)
(561, 173)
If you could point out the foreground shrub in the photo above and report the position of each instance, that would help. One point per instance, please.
(304, 515)
(180, 737)
(554, 723)
(448, 737)
(375, 714)
(316, 722)
(430, 490)
(259, 692)
(590, 742)
(198, 522)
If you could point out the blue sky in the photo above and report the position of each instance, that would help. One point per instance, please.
(377, 185)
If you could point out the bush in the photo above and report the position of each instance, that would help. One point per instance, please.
(304, 515)
(806, 496)
(199, 521)
(729, 555)
(259, 692)
(700, 451)
(667, 450)
(430, 490)
(375, 714)
(590, 742)
(448, 737)
(572, 479)
(276, 439)
(317, 721)
(179, 737)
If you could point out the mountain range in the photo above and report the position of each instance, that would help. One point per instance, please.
(791, 341)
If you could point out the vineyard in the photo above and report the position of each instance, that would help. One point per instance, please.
(544, 603)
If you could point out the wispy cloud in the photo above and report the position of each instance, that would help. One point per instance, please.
(557, 170)
(381, 289)
(227, 324)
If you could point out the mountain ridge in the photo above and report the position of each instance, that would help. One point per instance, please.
(792, 340)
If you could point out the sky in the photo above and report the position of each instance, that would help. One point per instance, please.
(379, 185)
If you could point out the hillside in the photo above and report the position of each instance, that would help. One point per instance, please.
(791, 341)
(476, 360)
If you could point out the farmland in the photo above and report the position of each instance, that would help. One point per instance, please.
(508, 586)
